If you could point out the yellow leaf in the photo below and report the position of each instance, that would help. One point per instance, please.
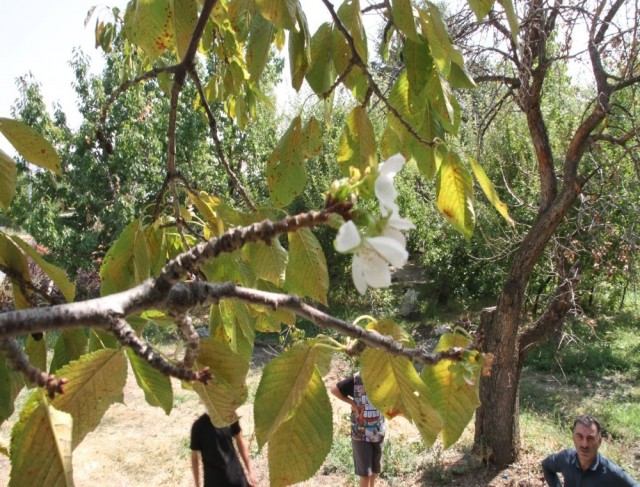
(392, 385)
(300, 445)
(8, 174)
(30, 144)
(454, 194)
(490, 191)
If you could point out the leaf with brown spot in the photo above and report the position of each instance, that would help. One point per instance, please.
(30, 145)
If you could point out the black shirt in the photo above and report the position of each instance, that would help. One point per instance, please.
(221, 464)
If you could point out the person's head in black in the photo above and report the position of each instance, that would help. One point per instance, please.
(220, 461)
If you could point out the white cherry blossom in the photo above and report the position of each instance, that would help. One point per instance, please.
(374, 254)
(371, 261)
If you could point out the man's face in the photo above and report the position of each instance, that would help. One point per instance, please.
(587, 441)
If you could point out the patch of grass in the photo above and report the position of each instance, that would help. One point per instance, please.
(589, 350)
(184, 449)
(401, 459)
(340, 457)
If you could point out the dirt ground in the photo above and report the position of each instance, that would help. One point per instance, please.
(136, 445)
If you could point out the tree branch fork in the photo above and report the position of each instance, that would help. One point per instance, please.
(170, 294)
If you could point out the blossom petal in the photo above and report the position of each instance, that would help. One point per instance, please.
(395, 234)
(393, 165)
(357, 273)
(348, 237)
(390, 249)
(399, 223)
(377, 272)
(384, 188)
(385, 192)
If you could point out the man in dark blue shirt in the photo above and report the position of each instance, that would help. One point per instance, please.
(584, 466)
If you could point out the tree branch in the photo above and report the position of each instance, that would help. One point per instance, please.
(191, 294)
(213, 128)
(357, 60)
(20, 361)
(127, 337)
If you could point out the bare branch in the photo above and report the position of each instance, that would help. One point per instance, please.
(156, 293)
(357, 60)
(213, 128)
(20, 361)
(192, 294)
(127, 337)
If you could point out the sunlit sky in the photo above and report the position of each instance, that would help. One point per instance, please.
(38, 36)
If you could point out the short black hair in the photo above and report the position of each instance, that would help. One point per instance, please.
(586, 420)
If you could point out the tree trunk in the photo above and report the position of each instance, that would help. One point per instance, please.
(497, 434)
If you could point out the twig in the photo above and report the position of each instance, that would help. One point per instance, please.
(127, 337)
(20, 361)
(213, 128)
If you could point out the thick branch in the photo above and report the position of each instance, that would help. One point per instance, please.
(201, 293)
(154, 293)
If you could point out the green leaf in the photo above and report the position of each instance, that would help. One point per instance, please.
(70, 345)
(481, 7)
(268, 261)
(57, 275)
(12, 258)
(36, 350)
(455, 399)
(351, 16)
(268, 323)
(300, 445)
(227, 390)
(403, 101)
(41, 446)
(435, 30)
(393, 385)
(95, 382)
(149, 24)
(156, 386)
(322, 72)
(281, 12)
(307, 273)
(419, 63)
(32, 146)
(512, 18)
(454, 193)
(283, 385)
(101, 339)
(185, 19)
(286, 173)
(390, 143)
(233, 318)
(299, 52)
(231, 366)
(460, 77)
(445, 107)
(403, 18)
(129, 261)
(357, 145)
(141, 257)
(8, 174)
(11, 383)
(311, 140)
(261, 36)
(490, 191)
